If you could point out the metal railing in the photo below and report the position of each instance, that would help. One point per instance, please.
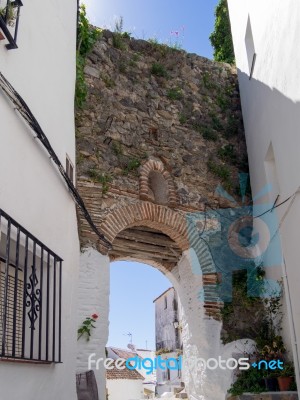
(30, 296)
(9, 21)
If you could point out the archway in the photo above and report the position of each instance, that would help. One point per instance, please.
(161, 237)
(145, 227)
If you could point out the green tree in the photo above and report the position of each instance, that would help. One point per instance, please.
(221, 38)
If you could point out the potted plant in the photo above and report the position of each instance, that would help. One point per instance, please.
(270, 378)
(8, 13)
(286, 377)
(274, 350)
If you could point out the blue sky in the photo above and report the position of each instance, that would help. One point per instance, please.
(134, 286)
(193, 20)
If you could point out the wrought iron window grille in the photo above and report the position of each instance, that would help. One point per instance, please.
(30, 296)
(9, 21)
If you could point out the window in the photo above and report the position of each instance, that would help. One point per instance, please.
(12, 331)
(165, 302)
(30, 296)
(9, 22)
(69, 169)
(168, 375)
(251, 55)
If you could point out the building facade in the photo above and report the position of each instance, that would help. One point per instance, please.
(149, 380)
(266, 43)
(124, 384)
(168, 338)
(39, 247)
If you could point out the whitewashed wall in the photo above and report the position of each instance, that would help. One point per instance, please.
(125, 389)
(271, 111)
(200, 334)
(42, 70)
(93, 297)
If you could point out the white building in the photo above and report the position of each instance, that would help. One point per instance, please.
(124, 384)
(144, 369)
(168, 339)
(266, 37)
(39, 246)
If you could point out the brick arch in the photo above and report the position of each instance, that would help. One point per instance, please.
(157, 166)
(176, 226)
(148, 214)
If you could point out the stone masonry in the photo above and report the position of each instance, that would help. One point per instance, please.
(161, 130)
(159, 141)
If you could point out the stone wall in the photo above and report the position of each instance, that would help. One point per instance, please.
(147, 101)
(161, 131)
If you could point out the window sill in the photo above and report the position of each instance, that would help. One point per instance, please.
(24, 361)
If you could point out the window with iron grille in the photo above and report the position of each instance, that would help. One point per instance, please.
(30, 296)
(9, 22)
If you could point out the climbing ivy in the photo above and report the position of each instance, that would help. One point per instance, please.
(221, 38)
(87, 35)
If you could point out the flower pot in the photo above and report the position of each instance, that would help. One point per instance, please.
(271, 384)
(284, 382)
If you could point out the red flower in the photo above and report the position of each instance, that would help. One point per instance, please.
(95, 316)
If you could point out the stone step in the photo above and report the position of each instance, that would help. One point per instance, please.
(181, 395)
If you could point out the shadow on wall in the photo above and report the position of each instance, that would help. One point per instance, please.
(272, 121)
(268, 113)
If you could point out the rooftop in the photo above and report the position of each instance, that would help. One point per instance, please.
(125, 373)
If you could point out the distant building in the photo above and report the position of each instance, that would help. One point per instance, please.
(168, 338)
(124, 384)
(149, 380)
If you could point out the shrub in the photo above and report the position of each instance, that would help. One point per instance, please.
(222, 171)
(227, 153)
(232, 127)
(100, 177)
(250, 380)
(117, 149)
(209, 134)
(216, 123)
(131, 165)
(159, 70)
(222, 101)
(208, 81)
(118, 42)
(182, 119)
(174, 94)
(119, 35)
(109, 82)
